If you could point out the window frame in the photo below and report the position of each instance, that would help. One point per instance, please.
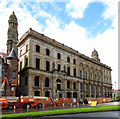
(68, 59)
(37, 63)
(47, 65)
(37, 48)
(59, 56)
(36, 81)
(47, 52)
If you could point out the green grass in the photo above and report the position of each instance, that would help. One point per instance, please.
(62, 111)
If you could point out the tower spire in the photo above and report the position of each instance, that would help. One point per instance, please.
(12, 34)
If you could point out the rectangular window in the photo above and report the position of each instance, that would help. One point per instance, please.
(37, 48)
(59, 67)
(74, 85)
(37, 63)
(86, 75)
(26, 81)
(80, 74)
(20, 66)
(68, 70)
(59, 56)
(58, 87)
(26, 47)
(37, 93)
(47, 94)
(26, 62)
(74, 72)
(47, 66)
(47, 52)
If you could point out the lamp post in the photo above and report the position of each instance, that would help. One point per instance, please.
(63, 73)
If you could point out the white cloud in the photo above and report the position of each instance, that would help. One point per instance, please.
(76, 8)
(72, 35)
(107, 42)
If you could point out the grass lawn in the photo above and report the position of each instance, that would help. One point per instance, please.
(63, 111)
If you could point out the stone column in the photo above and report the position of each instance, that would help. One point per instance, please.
(54, 87)
(30, 84)
(65, 91)
(78, 91)
(89, 90)
(71, 89)
(42, 85)
(95, 91)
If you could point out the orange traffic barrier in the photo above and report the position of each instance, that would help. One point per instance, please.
(54, 105)
(43, 106)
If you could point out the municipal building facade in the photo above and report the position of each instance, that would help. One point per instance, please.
(51, 69)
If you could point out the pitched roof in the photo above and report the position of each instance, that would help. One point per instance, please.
(12, 53)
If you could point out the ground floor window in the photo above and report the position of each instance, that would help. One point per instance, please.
(60, 95)
(58, 87)
(68, 95)
(81, 96)
(37, 93)
(74, 95)
(47, 94)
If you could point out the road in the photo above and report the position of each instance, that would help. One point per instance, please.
(92, 115)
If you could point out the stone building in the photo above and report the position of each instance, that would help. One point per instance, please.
(49, 68)
(9, 60)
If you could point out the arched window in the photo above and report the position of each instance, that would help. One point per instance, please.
(46, 82)
(47, 52)
(74, 61)
(68, 59)
(36, 81)
(59, 56)
(58, 80)
(68, 84)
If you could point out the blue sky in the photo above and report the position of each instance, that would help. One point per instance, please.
(92, 20)
(80, 24)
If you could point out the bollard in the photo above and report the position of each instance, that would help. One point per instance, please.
(71, 104)
(77, 104)
(63, 104)
(27, 106)
(14, 107)
(43, 106)
(83, 104)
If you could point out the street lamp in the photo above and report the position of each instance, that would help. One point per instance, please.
(63, 73)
